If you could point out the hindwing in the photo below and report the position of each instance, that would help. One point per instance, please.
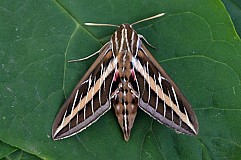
(160, 97)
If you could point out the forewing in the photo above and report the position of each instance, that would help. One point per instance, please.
(160, 97)
(89, 100)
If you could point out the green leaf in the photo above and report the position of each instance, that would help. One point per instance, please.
(234, 9)
(19, 154)
(197, 46)
(6, 149)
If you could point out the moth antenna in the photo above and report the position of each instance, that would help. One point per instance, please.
(146, 19)
(99, 24)
(113, 25)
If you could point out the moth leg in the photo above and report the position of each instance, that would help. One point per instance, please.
(143, 38)
(93, 54)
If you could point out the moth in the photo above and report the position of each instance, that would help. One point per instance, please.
(125, 76)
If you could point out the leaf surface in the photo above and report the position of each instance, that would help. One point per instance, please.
(197, 46)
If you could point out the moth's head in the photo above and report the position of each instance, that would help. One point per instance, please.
(125, 34)
(124, 27)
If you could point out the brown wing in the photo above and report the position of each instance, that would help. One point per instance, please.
(160, 97)
(89, 100)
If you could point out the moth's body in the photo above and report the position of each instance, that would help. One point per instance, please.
(124, 101)
(125, 76)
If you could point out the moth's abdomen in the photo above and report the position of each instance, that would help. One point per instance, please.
(125, 104)
(125, 100)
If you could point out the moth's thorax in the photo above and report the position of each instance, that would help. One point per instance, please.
(125, 39)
